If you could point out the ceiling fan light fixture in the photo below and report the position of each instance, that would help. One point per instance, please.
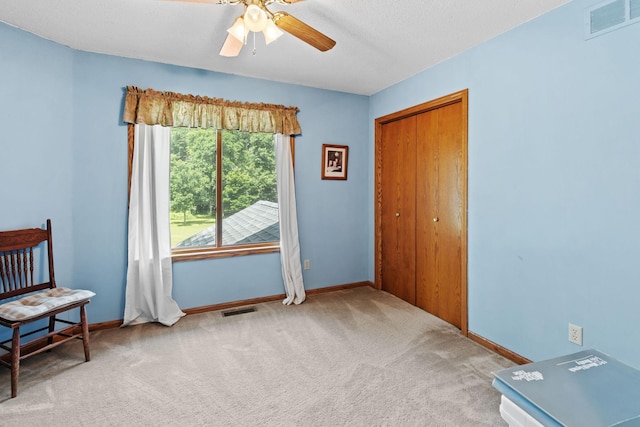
(258, 18)
(239, 29)
(255, 18)
(271, 32)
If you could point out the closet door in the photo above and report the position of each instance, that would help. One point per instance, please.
(421, 206)
(440, 203)
(398, 192)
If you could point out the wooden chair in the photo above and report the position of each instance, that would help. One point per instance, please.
(29, 285)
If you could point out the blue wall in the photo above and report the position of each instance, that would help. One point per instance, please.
(554, 182)
(36, 152)
(63, 155)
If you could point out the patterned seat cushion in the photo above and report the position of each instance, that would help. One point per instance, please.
(42, 302)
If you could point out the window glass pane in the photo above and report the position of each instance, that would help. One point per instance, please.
(249, 208)
(249, 194)
(193, 187)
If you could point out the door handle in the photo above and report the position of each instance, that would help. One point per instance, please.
(436, 219)
(397, 214)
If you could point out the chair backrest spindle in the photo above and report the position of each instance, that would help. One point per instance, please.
(22, 268)
(4, 279)
(14, 269)
(31, 264)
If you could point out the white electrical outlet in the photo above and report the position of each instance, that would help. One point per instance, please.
(307, 264)
(575, 334)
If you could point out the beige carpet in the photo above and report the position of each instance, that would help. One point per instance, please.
(357, 357)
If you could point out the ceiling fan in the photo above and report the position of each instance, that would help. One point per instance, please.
(258, 18)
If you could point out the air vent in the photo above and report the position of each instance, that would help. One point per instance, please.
(634, 9)
(607, 16)
(610, 15)
(238, 311)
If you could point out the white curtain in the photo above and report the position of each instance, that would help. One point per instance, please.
(289, 242)
(149, 275)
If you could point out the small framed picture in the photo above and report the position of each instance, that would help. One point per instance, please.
(334, 161)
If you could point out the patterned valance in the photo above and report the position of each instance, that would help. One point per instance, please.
(177, 110)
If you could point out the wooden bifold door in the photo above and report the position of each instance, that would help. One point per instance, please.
(421, 188)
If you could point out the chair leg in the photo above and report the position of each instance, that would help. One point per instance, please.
(15, 361)
(85, 333)
(52, 325)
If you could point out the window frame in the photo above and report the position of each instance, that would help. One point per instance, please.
(207, 252)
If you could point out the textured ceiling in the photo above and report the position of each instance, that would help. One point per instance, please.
(379, 43)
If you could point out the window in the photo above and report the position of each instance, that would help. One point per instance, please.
(223, 193)
(225, 196)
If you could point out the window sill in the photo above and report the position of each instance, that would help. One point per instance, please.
(212, 253)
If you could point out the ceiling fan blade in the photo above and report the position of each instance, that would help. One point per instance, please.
(268, 2)
(198, 1)
(304, 32)
(231, 46)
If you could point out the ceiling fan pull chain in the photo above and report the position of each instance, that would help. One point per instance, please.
(254, 44)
